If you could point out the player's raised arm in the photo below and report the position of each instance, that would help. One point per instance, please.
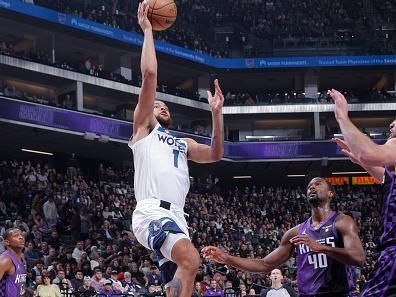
(277, 257)
(202, 153)
(143, 116)
(366, 151)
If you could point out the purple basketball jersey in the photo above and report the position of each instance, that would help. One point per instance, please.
(382, 280)
(388, 237)
(318, 274)
(13, 285)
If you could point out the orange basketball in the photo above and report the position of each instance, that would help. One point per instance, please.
(162, 13)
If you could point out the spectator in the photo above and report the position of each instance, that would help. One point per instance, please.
(114, 277)
(77, 281)
(107, 289)
(228, 289)
(50, 212)
(197, 292)
(51, 257)
(65, 289)
(78, 250)
(32, 254)
(47, 288)
(58, 280)
(213, 290)
(153, 277)
(97, 281)
(86, 290)
(54, 240)
(75, 225)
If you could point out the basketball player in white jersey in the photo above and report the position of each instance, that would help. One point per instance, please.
(161, 174)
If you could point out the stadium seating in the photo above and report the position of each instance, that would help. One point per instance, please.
(94, 216)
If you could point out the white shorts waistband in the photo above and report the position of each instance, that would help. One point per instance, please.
(157, 202)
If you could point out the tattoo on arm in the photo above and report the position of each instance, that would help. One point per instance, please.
(175, 287)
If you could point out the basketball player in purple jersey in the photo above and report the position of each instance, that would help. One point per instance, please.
(12, 265)
(327, 247)
(379, 161)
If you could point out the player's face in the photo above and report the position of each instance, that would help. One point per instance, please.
(276, 275)
(392, 130)
(15, 239)
(161, 113)
(317, 190)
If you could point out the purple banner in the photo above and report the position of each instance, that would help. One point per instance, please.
(26, 112)
(33, 113)
(283, 150)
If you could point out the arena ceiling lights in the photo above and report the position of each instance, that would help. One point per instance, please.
(37, 152)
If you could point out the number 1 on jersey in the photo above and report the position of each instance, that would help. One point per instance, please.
(176, 158)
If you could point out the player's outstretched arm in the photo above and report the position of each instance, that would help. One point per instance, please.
(143, 115)
(366, 151)
(351, 254)
(273, 260)
(202, 153)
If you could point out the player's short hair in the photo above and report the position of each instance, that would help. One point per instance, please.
(329, 186)
(278, 268)
(8, 232)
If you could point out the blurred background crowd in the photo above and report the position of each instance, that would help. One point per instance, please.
(78, 238)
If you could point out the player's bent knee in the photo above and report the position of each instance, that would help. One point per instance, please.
(186, 256)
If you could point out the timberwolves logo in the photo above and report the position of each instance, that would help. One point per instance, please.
(155, 228)
(62, 18)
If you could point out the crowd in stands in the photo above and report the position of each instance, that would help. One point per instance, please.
(299, 97)
(279, 23)
(78, 235)
(387, 10)
(88, 66)
(43, 57)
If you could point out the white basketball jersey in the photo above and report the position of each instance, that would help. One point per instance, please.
(161, 167)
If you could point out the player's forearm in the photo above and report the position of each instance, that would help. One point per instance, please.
(347, 256)
(249, 265)
(360, 145)
(217, 145)
(148, 63)
(375, 171)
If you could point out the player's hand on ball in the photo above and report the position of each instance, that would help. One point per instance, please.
(308, 241)
(142, 16)
(215, 254)
(216, 101)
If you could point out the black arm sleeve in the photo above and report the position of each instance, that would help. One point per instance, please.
(291, 291)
